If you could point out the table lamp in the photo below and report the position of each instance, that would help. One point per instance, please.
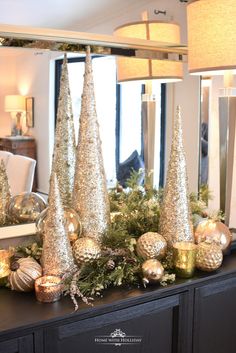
(15, 104)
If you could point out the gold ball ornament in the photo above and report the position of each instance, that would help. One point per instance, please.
(211, 231)
(209, 257)
(151, 246)
(72, 223)
(26, 207)
(86, 250)
(153, 271)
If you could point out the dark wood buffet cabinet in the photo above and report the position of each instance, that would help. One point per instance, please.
(191, 316)
(23, 146)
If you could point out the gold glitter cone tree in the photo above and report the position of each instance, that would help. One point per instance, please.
(63, 163)
(175, 224)
(5, 194)
(57, 255)
(90, 198)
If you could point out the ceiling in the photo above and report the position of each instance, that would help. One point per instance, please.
(95, 16)
(78, 15)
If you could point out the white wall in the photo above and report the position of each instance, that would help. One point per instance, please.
(32, 78)
(31, 73)
(7, 86)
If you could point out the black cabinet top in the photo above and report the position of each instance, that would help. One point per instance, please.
(21, 311)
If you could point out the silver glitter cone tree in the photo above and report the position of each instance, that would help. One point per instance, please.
(63, 163)
(57, 258)
(90, 198)
(5, 194)
(175, 224)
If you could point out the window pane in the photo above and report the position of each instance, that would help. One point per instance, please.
(105, 95)
(130, 119)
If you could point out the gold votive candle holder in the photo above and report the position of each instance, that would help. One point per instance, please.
(5, 256)
(184, 258)
(48, 289)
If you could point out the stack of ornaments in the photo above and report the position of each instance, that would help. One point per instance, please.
(213, 238)
(77, 185)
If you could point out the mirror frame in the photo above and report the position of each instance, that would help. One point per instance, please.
(70, 41)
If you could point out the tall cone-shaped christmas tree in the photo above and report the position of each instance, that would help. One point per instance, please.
(90, 198)
(5, 194)
(63, 163)
(175, 222)
(57, 255)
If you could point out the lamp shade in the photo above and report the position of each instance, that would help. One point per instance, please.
(211, 36)
(14, 103)
(129, 69)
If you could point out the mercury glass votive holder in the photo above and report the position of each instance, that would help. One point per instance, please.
(184, 258)
(48, 289)
(5, 256)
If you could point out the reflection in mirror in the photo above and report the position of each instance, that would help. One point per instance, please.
(204, 159)
(32, 73)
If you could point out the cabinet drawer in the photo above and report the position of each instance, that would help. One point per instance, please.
(18, 345)
(215, 317)
(151, 327)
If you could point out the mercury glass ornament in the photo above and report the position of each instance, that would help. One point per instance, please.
(86, 250)
(209, 257)
(26, 207)
(71, 222)
(175, 221)
(153, 271)
(211, 231)
(151, 246)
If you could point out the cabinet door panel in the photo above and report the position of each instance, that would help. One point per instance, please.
(215, 317)
(151, 327)
(18, 345)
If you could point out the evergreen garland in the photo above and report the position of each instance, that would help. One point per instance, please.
(134, 211)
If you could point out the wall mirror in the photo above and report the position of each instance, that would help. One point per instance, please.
(29, 53)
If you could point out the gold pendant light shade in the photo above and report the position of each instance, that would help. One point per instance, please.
(130, 69)
(211, 36)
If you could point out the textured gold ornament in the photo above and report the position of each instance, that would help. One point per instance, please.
(90, 198)
(86, 250)
(153, 271)
(211, 231)
(151, 246)
(63, 162)
(209, 257)
(175, 221)
(71, 221)
(26, 207)
(4, 194)
(57, 258)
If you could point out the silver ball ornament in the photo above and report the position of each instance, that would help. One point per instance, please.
(26, 207)
(72, 223)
